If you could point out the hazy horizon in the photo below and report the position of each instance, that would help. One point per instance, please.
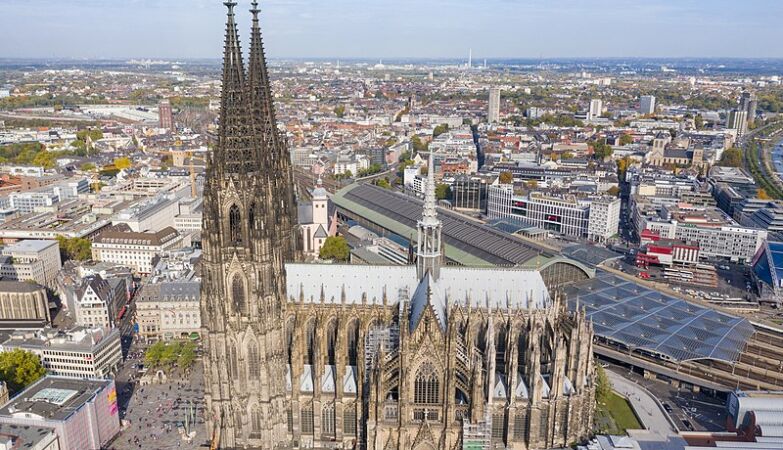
(402, 29)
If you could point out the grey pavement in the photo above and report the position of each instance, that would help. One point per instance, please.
(649, 411)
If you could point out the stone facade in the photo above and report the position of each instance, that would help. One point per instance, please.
(366, 357)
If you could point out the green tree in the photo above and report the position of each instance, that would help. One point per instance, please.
(87, 167)
(335, 248)
(626, 139)
(440, 129)
(78, 249)
(731, 158)
(442, 191)
(601, 150)
(187, 355)
(383, 182)
(340, 111)
(506, 178)
(418, 145)
(602, 386)
(19, 369)
(154, 353)
(566, 155)
(698, 121)
(44, 159)
(122, 163)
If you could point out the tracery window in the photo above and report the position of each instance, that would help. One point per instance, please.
(232, 362)
(327, 419)
(235, 225)
(307, 419)
(251, 216)
(349, 419)
(238, 293)
(255, 419)
(426, 385)
(253, 363)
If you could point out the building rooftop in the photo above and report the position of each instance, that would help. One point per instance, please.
(643, 319)
(28, 246)
(26, 437)
(123, 235)
(53, 398)
(467, 242)
(19, 286)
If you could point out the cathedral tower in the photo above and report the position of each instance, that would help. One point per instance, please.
(247, 213)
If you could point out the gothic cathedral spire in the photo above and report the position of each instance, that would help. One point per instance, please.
(270, 146)
(246, 214)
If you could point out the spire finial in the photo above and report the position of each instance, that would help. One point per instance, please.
(254, 10)
(429, 193)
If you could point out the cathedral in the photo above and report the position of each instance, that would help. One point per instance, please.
(425, 356)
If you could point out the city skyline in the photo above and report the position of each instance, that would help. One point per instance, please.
(437, 29)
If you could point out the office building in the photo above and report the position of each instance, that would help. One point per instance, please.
(737, 120)
(647, 104)
(35, 260)
(83, 413)
(22, 305)
(604, 219)
(716, 234)
(78, 353)
(122, 246)
(596, 109)
(493, 115)
(566, 215)
(749, 104)
(165, 115)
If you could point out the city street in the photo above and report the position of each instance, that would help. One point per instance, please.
(702, 411)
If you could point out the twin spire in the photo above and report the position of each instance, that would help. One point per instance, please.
(247, 139)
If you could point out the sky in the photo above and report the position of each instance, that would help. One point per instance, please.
(180, 29)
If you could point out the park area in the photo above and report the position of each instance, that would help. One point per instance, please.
(614, 415)
(169, 355)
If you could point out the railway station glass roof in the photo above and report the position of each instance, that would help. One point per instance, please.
(647, 320)
(477, 239)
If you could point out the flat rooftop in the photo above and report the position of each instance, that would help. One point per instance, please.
(26, 436)
(54, 398)
(29, 246)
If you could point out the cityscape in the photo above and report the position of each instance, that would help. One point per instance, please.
(248, 249)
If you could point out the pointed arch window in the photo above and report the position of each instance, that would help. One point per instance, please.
(327, 419)
(232, 362)
(238, 293)
(255, 419)
(235, 225)
(251, 216)
(427, 385)
(253, 363)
